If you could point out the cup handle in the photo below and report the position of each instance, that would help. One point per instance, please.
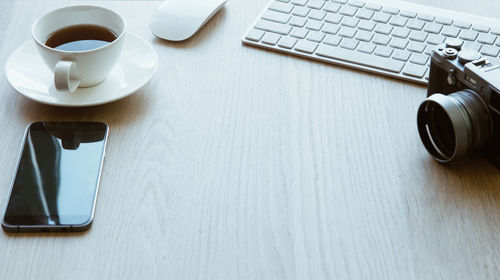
(62, 76)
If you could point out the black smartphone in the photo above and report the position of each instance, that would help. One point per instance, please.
(57, 178)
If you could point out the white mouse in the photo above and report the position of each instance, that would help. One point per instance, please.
(177, 20)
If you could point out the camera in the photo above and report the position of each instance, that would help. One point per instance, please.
(462, 110)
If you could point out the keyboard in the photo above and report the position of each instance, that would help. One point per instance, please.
(387, 37)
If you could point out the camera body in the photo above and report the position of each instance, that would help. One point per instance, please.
(462, 111)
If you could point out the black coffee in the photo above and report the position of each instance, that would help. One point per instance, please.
(82, 37)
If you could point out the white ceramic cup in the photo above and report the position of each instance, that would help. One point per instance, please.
(73, 69)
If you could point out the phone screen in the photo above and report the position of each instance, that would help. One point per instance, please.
(58, 174)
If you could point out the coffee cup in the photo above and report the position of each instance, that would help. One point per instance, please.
(80, 44)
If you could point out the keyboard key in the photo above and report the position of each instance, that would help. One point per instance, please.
(490, 50)
(332, 7)
(408, 14)
(419, 59)
(383, 51)
(330, 28)
(435, 39)
(380, 39)
(428, 50)
(415, 70)
(315, 36)
(365, 14)
(398, 43)
(365, 36)
(426, 17)
(348, 11)
(415, 24)
(356, 3)
(366, 47)
(495, 31)
(360, 58)
(366, 25)
(287, 42)
(444, 21)
(340, 1)
(301, 11)
(494, 60)
(381, 17)
(277, 17)
(383, 29)
(486, 38)
(306, 46)
(271, 38)
(432, 27)
(349, 44)
(298, 21)
(480, 28)
(468, 35)
(317, 15)
(299, 2)
(450, 31)
(347, 32)
(398, 21)
(254, 35)
(284, 1)
(299, 33)
(418, 36)
(314, 24)
(333, 18)
(400, 32)
(316, 4)
(401, 55)
(333, 40)
(271, 26)
(390, 10)
(462, 24)
(416, 47)
(472, 45)
(373, 7)
(349, 22)
(281, 7)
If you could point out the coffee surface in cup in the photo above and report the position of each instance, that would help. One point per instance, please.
(81, 37)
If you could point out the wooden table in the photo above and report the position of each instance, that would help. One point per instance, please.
(239, 163)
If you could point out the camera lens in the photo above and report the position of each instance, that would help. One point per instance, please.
(452, 125)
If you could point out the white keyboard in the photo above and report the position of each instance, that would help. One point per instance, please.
(387, 37)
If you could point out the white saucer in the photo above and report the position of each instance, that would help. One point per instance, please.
(28, 75)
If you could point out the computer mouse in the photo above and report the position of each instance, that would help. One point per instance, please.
(177, 20)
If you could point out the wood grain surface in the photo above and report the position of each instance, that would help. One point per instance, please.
(240, 163)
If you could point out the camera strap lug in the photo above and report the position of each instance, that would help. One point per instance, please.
(451, 77)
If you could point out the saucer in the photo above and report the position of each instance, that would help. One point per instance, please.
(28, 75)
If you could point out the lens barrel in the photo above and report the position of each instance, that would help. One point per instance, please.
(452, 125)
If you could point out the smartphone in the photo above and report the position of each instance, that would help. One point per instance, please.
(57, 177)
